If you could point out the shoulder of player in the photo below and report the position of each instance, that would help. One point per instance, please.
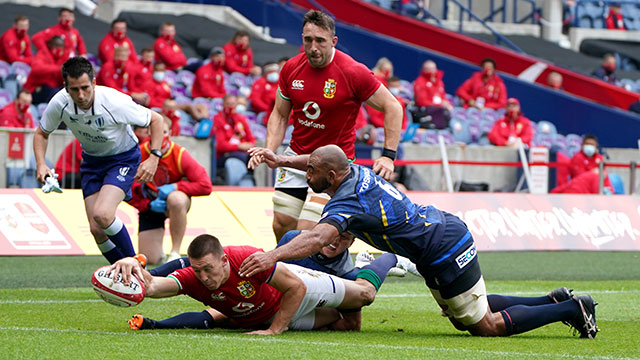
(109, 96)
(352, 69)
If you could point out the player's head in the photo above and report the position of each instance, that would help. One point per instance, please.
(208, 260)
(79, 81)
(21, 24)
(609, 61)
(147, 55)
(66, 18)
(241, 40)
(56, 47)
(216, 54)
(119, 28)
(488, 66)
(120, 56)
(326, 168)
(23, 101)
(168, 31)
(341, 243)
(318, 37)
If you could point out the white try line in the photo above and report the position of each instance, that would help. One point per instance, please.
(277, 340)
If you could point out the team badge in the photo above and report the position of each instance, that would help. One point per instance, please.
(281, 175)
(329, 88)
(246, 289)
(100, 123)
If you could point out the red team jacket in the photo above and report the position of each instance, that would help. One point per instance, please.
(9, 117)
(109, 43)
(249, 302)
(493, 91)
(209, 82)
(170, 53)
(263, 96)
(429, 90)
(73, 42)
(14, 49)
(141, 74)
(615, 21)
(117, 78)
(158, 92)
(237, 60)
(44, 71)
(325, 102)
(504, 128)
(177, 167)
(376, 118)
(230, 131)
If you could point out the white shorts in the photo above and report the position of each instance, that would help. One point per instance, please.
(288, 177)
(467, 308)
(323, 290)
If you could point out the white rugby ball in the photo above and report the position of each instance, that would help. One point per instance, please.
(116, 292)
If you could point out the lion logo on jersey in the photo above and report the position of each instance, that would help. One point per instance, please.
(329, 88)
(246, 289)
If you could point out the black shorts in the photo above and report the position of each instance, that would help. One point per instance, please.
(150, 220)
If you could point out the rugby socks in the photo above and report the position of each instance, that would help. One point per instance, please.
(522, 318)
(499, 302)
(173, 265)
(376, 271)
(118, 233)
(189, 320)
(110, 251)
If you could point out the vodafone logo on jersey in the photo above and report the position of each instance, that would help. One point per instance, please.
(297, 85)
(311, 110)
(243, 307)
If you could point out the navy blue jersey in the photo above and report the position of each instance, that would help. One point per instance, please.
(373, 210)
(340, 266)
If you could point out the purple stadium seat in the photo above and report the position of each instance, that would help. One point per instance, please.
(238, 79)
(448, 137)
(431, 137)
(216, 104)
(489, 115)
(380, 135)
(474, 114)
(192, 60)
(547, 128)
(460, 131)
(5, 69)
(459, 114)
(178, 90)
(5, 98)
(21, 70)
(170, 77)
(94, 60)
(475, 130)
(186, 78)
(183, 100)
(41, 108)
(258, 130)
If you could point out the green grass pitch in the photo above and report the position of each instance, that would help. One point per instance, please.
(50, 312)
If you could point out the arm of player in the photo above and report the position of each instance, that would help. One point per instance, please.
(40, 143)
(155, 286)
(293, 291)
(383, 100)
(147, 168)
(277, 123)
(262, 155)
(303, 245)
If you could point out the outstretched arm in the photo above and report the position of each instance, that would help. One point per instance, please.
(261, 155)
(155, 286)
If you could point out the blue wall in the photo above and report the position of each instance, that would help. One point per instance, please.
(615, 128)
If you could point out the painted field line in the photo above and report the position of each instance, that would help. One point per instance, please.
(275, 340)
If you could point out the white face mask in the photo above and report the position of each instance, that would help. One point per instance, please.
(158, 76)
(240, 108)
(588, 150)
(273, 77)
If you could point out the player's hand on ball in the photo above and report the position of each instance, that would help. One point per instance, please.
(383, 166)
(127, 267)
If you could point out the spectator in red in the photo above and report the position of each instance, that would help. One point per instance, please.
(73, 42)
(157, 89)
(116, 38)
(376, 118)
(239, 56)
(263, 90)
(554, 80)
(615, 20)
(584, 170)
(15, 44)
(383, 70)
(511, 126)
(484, 89)
(178, 177)
(68, 165)
(45, 78)
(118, 72)
(16, 114)
(170, 110)
(167, 50)
(607, 71)
(143, 72)
(233, 139)
(428, 87)
(209, 82)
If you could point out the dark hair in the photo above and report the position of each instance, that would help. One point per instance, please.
(118, 21)
(19, 18)
(393, 78)
(203, 245)
(589, 136)
(608, 55)
(23, 91)
(62, 10)
(76, 67)
(55, 41)
(489, 60)
(239, 33)
(320, 19)
(145, 49)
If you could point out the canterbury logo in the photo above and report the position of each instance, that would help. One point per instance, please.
(297, 84)
(123, 171)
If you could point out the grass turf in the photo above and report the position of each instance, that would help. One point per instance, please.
(50, 312)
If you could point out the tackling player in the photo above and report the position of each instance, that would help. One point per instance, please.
(439, 243)
(101, 118)
(322, 90)
(281, 297)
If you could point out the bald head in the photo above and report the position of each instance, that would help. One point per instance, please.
(327, 167)
(331, 157)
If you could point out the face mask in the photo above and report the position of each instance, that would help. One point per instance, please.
(165, 142)
(170, 113)
(240, 47)
(394, 91)
(216, 63)
(21, 32)
(23, 108)
(513, 114)
(158, 76)
(273, 77)
(119, 64)
(66, 23)
(240, 108)
(386, 73)
(57, 52)
(119, 35)
(588, 150)
(146, 62)
(228, 111)
(486, 72)
(555, 86)
(429, 73)
(168, 37)
(610, 67)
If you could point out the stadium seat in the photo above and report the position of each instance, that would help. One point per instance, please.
(380, 135)
(287, 135)
(179, 90)
(547, 128)
(216, 104)
(186, 78)
(5, 97)
(94, 60)
(183, 100)
(475, 130)
(447, 136)
(617, 183)
(41, 108)
(629, 85)
(430, 137)
(192, 60)
(259, 131)
(489, 115)
(459, 113)
(544, 140)
(238, 80)
(5, 69)
(21, 70)
(460, 131)
(585, 22)
(170, 77)
(474, 114)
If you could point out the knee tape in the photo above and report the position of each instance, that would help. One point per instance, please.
(286, 204)
(313, 207)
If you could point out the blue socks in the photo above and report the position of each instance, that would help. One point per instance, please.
(499, 302)
(173, 265)
(119, 235)
(189, 320)
(521, 318)
(376, 271)
(110, 251)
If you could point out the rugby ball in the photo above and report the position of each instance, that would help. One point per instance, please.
(116, 292)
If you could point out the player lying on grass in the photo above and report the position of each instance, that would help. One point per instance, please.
(284, 296)
(365, 205)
